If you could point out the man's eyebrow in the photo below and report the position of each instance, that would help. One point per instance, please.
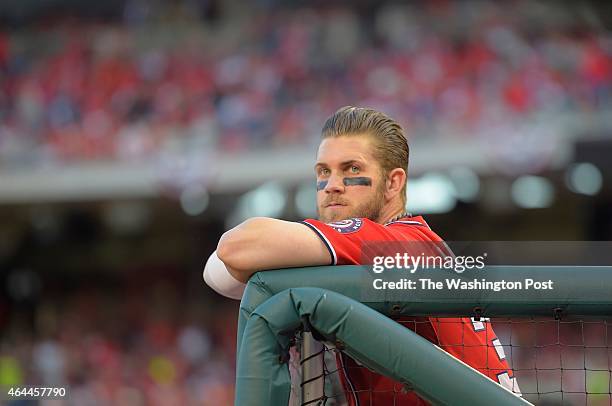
(352, 161)
(342, 164)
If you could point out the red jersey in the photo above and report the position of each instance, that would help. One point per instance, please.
(468, 340)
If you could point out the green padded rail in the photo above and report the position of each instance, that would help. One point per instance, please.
(377, 342)
(584, 291)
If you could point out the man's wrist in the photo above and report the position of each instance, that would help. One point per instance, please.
(221, 280)
(238, 275)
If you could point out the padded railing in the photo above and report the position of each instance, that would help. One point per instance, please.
(340, 305)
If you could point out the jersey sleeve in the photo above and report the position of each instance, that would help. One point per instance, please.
(345, 239)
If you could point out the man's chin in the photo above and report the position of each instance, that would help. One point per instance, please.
(335, 215)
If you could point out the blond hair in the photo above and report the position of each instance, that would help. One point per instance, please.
(392, 149)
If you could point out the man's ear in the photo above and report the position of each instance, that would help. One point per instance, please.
(396, 179)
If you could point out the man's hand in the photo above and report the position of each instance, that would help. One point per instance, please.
(262, 243)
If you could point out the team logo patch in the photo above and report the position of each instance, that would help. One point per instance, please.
(346, 226)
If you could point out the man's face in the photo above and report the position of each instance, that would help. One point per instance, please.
(344, 166)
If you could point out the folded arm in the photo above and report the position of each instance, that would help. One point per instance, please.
(263, 243)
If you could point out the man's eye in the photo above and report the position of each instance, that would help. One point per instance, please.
(354, 169)
(324, 172)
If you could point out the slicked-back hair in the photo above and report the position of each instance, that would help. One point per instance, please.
(391, 145)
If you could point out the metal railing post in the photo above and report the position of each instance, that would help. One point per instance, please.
(312, 360)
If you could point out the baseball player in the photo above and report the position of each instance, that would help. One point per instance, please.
(361, 196)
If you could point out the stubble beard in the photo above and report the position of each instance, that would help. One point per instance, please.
(370, 209)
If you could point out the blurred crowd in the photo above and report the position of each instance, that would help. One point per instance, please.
(264, 77)
(133, 346)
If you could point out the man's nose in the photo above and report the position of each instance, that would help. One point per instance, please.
(335, 184)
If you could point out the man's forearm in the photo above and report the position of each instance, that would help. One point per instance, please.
(261, 243)
(242, 276)
(235, 250)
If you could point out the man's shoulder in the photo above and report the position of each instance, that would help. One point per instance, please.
(417, 221)
(408, 228)
(413, 228)
(348, 226)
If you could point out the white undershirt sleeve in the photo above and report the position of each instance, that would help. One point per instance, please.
(220, 280)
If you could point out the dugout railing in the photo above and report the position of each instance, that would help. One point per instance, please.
(338, 305)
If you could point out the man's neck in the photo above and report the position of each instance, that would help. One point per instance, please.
(390, 213)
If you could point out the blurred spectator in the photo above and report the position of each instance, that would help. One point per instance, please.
(78, 90)
(125, 347)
